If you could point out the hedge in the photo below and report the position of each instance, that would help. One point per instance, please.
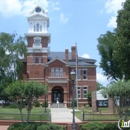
(35, 126)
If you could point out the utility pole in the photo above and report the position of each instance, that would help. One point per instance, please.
(77, 76)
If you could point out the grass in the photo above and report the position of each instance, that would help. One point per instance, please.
(97, 116)
(37, 114)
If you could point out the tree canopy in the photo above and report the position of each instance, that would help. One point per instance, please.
(12, 47)
(21, 92)
(120, 92)
(114, 47)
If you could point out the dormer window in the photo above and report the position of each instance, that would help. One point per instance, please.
(37, 40)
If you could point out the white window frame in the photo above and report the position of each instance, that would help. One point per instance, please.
(34, 29)
(39, 59)
(61, 72)
(34, 60)
(79, 91)
(38, 27)
(83, 73)
(37, 38)
(56, 72)
(52, 72)
(84, 91)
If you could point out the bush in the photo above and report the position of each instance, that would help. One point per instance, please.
(37, 103)
(92, 126)
(10, 106)
(45, 104)
(75, 103)
(35, 126)
(111, 126)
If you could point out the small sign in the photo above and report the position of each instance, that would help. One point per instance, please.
(102, 103)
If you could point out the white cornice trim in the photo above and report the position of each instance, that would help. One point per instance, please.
(54, 60)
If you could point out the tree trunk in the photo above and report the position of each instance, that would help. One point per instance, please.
(21, 115)
(29, 107)
(28, 116)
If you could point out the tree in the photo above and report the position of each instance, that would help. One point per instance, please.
(120, 92)
(16, 92)
(100, 86)
(123, 39)
(28, 92)
(33, 90)
(12, 47)
(109, 64)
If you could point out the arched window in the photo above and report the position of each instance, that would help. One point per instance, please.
(38, 27)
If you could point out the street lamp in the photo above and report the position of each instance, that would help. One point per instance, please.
(73, 77)
(45, 105)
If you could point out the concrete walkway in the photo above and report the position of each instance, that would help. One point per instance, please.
(62, 115)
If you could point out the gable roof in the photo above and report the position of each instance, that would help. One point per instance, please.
(55, 60)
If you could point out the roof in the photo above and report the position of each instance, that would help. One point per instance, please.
(52, 56)
(61, 55)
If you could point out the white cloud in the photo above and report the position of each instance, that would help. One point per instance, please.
(112, 6)
(63, 19)
(102, 79)
(112, 22)
(85, 56)
(9, 8)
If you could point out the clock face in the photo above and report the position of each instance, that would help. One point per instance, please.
(38, 9)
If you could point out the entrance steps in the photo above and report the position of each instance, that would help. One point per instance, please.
(54, 105)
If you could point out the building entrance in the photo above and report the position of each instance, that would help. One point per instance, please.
(57, 94)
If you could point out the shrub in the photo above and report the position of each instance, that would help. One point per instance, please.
(92, 126)
(75, 103)
(10, 106)
(111, 126)
(35, 126)
(37, 103)
(45, 104)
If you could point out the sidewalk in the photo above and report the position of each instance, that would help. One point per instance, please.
(3, 127)
(62, 115)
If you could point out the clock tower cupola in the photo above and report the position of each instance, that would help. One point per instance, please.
(38, 39)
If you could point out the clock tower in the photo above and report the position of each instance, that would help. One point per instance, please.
(38, 39)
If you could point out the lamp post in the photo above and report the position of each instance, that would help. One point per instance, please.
(45, 105)
(73, 77)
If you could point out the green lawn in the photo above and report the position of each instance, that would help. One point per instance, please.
(96, 115)
(37, 114)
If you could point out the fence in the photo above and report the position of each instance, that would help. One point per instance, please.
(100, 117)
(33, 117)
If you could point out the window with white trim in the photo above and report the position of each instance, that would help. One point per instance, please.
(39, 59)
(52, 72)
(37, 27)
(61, 72)
(37, 41)
(79, 74)
(57, 72)
(34, 59)
(85, 90)
(40, 28)
(34, 28)
(84, 74)
(79, 92)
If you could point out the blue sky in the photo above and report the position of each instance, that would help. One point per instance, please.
(81, 21)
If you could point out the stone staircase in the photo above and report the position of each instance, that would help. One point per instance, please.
(54, 105)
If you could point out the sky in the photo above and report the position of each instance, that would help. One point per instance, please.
(71, 21)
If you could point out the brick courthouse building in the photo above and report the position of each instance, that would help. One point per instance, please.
(43, 65)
